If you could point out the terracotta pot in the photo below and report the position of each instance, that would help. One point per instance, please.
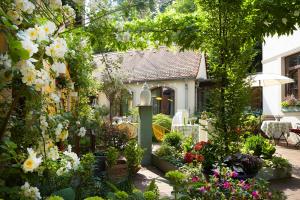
(118, 172)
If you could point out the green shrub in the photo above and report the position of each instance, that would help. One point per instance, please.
(66, 194)
(121, 195)
(162, 120)
(152, 187)
(94, 198)
(133, 154)
(259, 146)
(165, 150)
(149, 195)
(112, 156)
(173, 138)
(279, 163)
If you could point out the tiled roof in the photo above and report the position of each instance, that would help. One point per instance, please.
(159, 64)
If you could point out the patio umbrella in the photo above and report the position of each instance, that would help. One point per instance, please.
(264, 79)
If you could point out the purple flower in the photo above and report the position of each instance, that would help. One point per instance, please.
(234, 174)
(226, 185)
(195, 179)
(202, 189)
(255, 194)
(246, 186)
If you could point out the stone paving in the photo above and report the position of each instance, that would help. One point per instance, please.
(145, 175)
(290, 186)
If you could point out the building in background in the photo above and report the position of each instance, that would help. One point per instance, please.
(177, 80)
(281, 55)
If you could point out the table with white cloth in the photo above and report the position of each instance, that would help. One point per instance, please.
(190, 130)
(277, 129)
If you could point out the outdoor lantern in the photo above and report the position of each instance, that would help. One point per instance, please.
(145, 97)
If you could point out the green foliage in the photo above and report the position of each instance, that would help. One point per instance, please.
(173, 138)
(152, 187)
(54, 198)
(170, 154)
(94, 198)
(112, 156)
(278, 163)
(175, 177)
(163, 121)
(66, 194)
(120, 195)
(250, 123)
(134, 155)
(177, 180)
(149, 195)
(259, 146)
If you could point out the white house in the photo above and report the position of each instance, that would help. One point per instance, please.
(281, 55)
(176, 79)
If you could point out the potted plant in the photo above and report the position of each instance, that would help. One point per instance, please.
(275, 168)
(134, 155)
(290, 104)
(116, 165)
(246, 165)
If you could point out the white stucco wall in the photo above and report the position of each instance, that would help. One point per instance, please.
(180, 92)
(275, 49)
(184, 98)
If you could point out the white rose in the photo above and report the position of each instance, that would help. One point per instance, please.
(32, 162)
(30, 47)
(49, 28)
(82, 132)
(59, 68)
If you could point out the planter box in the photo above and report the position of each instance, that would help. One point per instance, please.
(291, 109)
(272, 174)
(162, 165)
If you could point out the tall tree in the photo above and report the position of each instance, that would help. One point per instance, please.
(227, 31)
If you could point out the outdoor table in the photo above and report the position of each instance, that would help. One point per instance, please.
(277, 129)
(189, 130)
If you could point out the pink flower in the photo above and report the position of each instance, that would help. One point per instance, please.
(202, 189)
(226, 185)
(234, 174)
(246, 187)
(195, 179)
(255, 194)
(270, 194)
(216, 173)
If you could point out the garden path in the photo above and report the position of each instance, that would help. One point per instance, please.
(146, 174)
(290, 186)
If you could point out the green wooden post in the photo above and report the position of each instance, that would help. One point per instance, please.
(145, 133)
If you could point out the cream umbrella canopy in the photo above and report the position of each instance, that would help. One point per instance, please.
(264, 79)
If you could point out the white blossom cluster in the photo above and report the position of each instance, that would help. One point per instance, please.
(70, 162)
(30, 192)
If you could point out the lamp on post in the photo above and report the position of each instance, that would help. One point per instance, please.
(145, 128)
(145, 97)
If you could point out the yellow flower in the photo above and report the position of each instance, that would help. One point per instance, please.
(32, 162)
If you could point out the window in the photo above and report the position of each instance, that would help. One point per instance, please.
(292, 66)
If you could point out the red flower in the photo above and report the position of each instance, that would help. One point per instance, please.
(188, 157)
(199, 157)
(199, 145)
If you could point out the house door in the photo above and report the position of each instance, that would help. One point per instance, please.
(163, 100)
